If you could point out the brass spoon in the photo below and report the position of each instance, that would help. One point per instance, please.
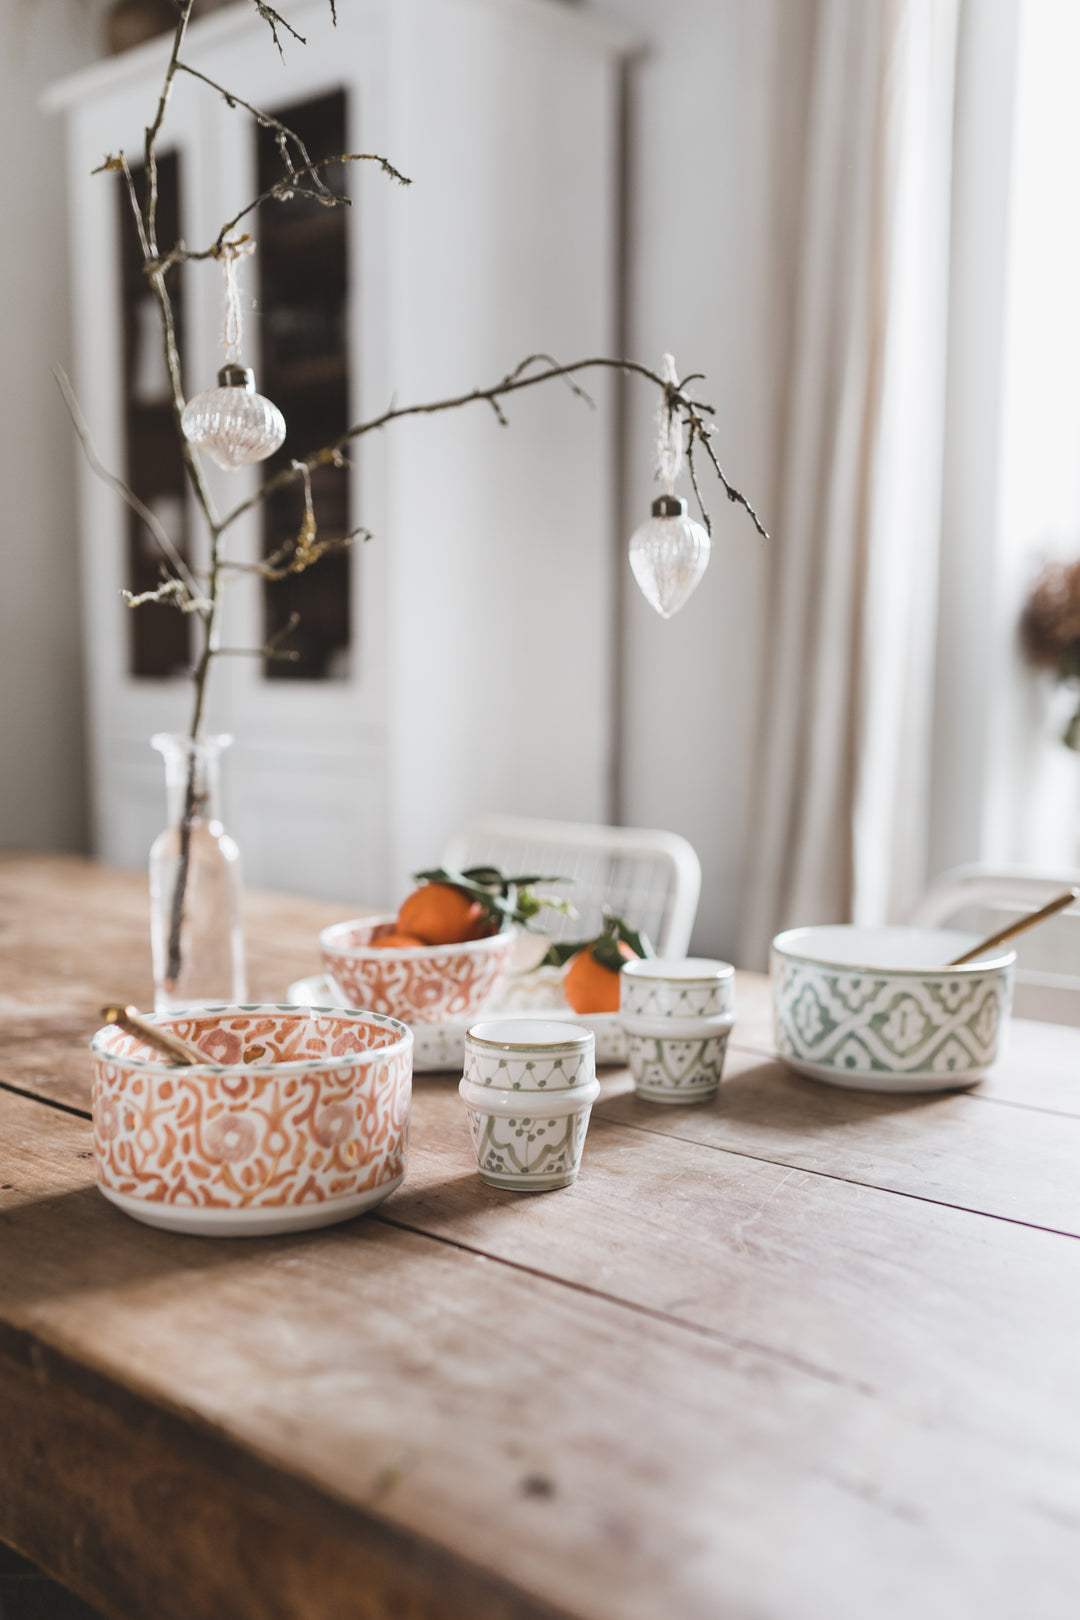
(1019, 927)
(170, 1046)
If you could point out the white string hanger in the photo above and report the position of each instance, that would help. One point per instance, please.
(669, 553)
(232, 423)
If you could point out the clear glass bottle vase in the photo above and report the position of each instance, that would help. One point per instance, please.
(195, 889)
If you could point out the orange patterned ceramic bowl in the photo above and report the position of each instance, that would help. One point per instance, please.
(422, 984)
(298, 1118)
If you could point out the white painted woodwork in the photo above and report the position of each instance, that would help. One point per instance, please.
(483, 610)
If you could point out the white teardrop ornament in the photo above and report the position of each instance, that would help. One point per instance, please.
(669, 554)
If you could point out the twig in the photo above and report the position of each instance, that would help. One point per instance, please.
(126, 493)
(281, 191)
(150, 142)
(266, 120)
(730, 491)
(550, 361)
(514, 381)
(271, 648)
(691, 437)
(276, 21)
(173, 593)
(279, 564)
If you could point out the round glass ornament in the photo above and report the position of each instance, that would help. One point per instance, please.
(669, 554)
(231, 422)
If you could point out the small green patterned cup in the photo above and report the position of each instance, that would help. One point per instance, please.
(677, 1016)
(677, 1069)
(528, 1089)
(687, 989)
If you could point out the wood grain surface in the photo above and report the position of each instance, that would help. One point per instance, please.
(74, 935)
(801, 1354)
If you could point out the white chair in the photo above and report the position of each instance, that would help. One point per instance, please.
(983, 899)
(650, 879)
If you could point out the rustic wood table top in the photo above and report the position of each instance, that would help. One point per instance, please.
(797, 1353)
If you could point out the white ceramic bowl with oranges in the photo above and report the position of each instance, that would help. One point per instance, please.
(420, 984)
(444, 956)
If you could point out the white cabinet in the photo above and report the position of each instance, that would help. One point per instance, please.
(480, 673)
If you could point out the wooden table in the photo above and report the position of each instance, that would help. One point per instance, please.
(799, 1353)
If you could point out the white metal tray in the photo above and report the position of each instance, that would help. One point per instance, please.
(440, 1048)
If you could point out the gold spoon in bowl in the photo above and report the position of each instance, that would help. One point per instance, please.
(162, 1040)
(1021, 926)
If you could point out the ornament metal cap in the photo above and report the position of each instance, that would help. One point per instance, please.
(669, 506)
(236, 377)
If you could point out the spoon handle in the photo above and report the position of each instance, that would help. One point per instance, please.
(1019, 927)
(169, 1045)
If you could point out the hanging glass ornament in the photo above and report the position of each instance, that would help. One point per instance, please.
(669, 553)
(231, 422)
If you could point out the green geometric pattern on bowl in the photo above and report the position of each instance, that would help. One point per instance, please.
(532, 1071)
(877, 1023)
(648, 997)
(527, 1152)
(671, 1070)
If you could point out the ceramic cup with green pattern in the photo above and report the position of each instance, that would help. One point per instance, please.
(878, 1009)
(528, 1089)
(690, 988)
(677, 1017)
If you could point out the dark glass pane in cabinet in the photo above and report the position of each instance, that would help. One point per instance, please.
(302, 321)
(159, 636)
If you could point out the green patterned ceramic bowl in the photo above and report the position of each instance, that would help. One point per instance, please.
(877, 1009)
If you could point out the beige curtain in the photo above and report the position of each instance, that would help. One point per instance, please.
(842, 781)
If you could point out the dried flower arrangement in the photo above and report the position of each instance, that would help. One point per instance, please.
(1050, 632)
(685, 421)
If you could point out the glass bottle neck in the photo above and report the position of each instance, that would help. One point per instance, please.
(192, 776)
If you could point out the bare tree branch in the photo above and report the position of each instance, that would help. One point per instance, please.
(271, 648)
(704, 429)
(150, 142)
(172, 592)
(267, 120)
(523, 376)
(283, 190)
(126, 493)
(276, 21)
(691, 437)
(281, 563)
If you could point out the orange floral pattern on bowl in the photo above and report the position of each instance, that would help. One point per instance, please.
(291, 1108)
(427, 984)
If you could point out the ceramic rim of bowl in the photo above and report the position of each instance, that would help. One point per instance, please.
(990, 965)
(397, 953)
(578, 1038)
(294, 1066)
(639, 969)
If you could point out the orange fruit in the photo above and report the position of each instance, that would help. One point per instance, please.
(589, 986)
(439, 914)
(395, 942)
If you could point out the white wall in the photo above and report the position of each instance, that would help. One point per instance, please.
(41, 779)
(714, 118)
